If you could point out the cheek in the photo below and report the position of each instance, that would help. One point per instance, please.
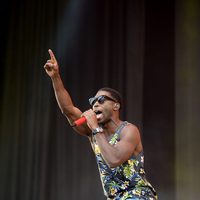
(107, 112)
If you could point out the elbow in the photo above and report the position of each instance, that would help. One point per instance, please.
(114, 163)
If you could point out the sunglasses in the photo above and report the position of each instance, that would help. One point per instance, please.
(100, 99)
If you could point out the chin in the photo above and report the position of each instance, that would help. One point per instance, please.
(103, 121)
(100, 121)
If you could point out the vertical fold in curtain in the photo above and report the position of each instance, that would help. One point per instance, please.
(187, 99)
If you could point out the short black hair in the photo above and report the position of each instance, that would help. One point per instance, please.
(114, 94)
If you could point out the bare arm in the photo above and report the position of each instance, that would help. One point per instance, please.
(62, 96)
(114, 155)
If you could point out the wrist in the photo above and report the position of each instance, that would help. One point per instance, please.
(55, 76)
(97, 130)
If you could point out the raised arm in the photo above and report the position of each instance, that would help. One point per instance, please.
(62, 96)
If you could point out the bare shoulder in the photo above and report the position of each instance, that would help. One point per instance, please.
(130, 132)
(131, 135)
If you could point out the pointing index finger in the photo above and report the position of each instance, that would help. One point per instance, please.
(53, 58)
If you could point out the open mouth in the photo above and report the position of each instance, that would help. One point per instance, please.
(99, 114)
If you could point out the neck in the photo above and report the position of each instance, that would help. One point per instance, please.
(111, 126)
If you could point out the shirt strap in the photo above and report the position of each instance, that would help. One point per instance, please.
(121, 127)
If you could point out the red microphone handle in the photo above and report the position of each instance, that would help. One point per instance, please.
(80, 121)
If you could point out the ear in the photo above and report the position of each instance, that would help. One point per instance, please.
(116, 106)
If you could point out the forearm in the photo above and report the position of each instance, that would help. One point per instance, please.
(62, 96)
(109, 152)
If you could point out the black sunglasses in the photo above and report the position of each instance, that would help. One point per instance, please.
(100, 99)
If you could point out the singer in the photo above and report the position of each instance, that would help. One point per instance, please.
(116, 143)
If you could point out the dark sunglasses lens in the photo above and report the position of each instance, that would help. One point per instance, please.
(101, 99)
(93, 100)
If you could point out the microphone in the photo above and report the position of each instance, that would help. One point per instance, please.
(79, 121)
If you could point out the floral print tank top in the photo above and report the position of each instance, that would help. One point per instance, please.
(126, 181)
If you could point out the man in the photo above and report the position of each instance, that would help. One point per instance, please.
(116, 143)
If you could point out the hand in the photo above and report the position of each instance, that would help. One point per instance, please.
(91, 119)
(51, 66)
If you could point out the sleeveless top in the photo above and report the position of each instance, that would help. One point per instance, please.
(126, 181)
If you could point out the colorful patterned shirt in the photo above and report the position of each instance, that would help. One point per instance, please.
(126, 181)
